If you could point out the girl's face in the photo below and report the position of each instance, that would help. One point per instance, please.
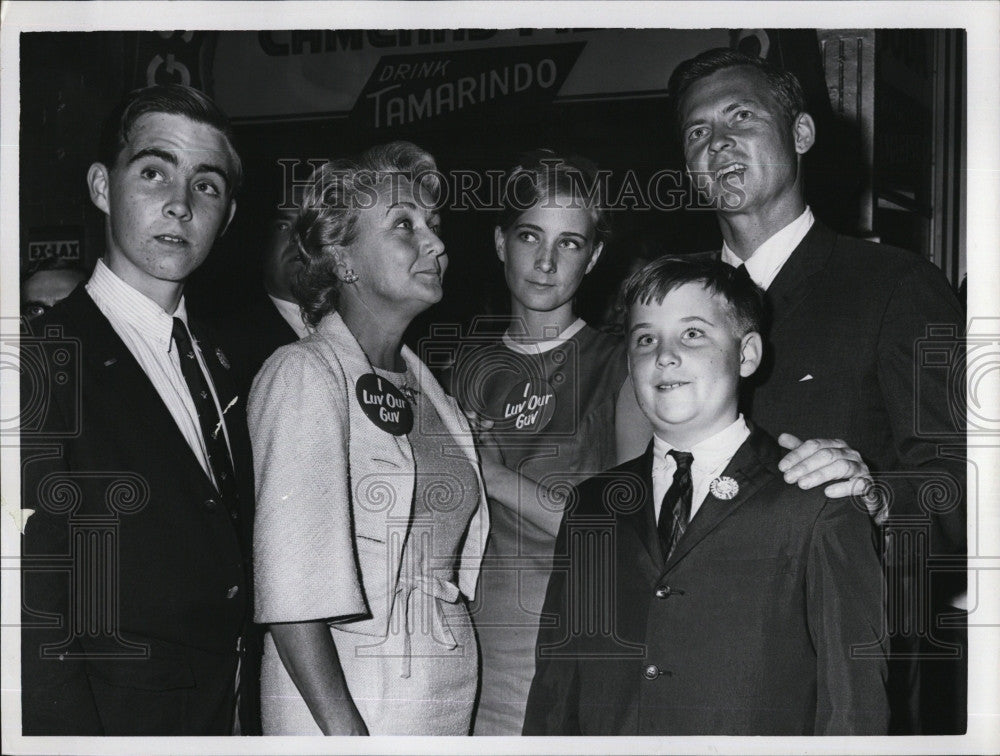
(546, 253)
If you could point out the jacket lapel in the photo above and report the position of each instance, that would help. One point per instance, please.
(750, 472)
(119, 374)
(798, 275)
(643, 520)
(232, 404)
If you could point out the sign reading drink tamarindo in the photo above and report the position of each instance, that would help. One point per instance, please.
(408, 88)
(387, 78)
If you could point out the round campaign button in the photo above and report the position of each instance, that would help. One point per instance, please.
(528, 406)
(384, 404)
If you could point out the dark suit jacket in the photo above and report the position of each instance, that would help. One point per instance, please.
(253, 334)
(136, 578)
(749, 629)
(850, 357)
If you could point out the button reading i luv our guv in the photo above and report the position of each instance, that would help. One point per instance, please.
(528, 406)
(384, 404)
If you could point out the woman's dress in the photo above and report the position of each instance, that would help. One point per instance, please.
(554, 409)
(421, 677)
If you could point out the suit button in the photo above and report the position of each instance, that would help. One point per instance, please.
(211, 504)
(231, 593)
(651, 672)
(662, 591)
(234, 515)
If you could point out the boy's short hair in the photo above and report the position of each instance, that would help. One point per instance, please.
(660, 277)
(172, 99)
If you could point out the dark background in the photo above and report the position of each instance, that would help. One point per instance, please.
(870, 173)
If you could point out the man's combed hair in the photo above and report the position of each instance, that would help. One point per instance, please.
(335, 194)
(544, 177)
(783, 85)
(172, 99)
(652, 283)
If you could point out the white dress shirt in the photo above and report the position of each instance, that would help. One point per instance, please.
(148, 333)
(766, 261)
(710, 459)
(292, 314)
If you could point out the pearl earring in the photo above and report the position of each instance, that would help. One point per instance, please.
(350, 276)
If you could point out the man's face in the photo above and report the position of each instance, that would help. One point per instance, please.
(686, 361)
(740, 152)
(281, 257)
(46, 287)
(167, 198)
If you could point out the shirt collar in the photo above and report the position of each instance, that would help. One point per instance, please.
(710, 453)
(123, 303)
(766, 261)
(538, 347)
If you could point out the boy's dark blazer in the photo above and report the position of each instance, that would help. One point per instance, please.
(845, 358)
(750, 628)
(136, 578)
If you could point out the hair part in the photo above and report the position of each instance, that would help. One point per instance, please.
(172, 99)
(546, 177)
(333, 198)
(783, 85)
(743, 298)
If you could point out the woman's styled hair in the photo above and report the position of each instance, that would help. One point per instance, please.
(172, 99)
(544, 176)
(743, 298)
(335, 194)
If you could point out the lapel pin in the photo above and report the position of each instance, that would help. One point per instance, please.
(221, 357)
(724, 488)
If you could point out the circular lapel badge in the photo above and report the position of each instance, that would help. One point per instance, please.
(528, 407)
(384, 404)
(724, 488)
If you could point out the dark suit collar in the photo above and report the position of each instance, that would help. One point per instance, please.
(643, 518)
(796, 277)
(108, 360)
(751, 467)
(274, 322)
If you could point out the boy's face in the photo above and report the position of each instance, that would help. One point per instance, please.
(167, 198)
(686, 362)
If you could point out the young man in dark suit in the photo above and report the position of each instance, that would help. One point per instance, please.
(136, 471)
(695, 591)
(846, 321)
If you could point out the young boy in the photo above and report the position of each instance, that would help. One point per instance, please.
(694, 592)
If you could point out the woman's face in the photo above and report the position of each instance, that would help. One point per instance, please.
(397, 254)
(546, 253)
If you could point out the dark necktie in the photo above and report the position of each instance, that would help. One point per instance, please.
(675, 510)
(208, 416)
(741, 274)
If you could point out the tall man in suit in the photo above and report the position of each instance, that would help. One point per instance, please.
(136, 474)
(697, 592)
(846, 321)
